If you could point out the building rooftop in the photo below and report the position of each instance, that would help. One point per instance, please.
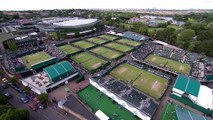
(188, 85)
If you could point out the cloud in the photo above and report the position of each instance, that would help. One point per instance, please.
(139, 4)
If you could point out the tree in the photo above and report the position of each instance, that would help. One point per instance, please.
(27, 88)
(13, 80)
(17, 114)
(168, 35)
(3, 100)
(12, 46)
(4, 108)
(43, 98)
(185, 37)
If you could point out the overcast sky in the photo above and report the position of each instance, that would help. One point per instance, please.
(68, 4)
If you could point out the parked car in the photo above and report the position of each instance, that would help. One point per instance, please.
(4, 79)
(35, 100)
(5, 86)
(42, 106)
(12, 85)
(8, 95)
(33, 106)
(27, 95)
(19, 90)
(24, 100)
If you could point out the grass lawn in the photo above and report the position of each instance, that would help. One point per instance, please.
(88, 61)
(173, 65)
(68, 49)
(97, 40)
(108, 37)
(119, 47)
(84, 44)
(98, 101)
(108, 53)
(154, 29)
(168, 112)
(175, 27)
(129, 42)
(145, 81)
(30, 60)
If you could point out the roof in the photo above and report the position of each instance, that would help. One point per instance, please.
(134, 36)
(185, 114)
(101, 115)
(187, 84)
(204, 93)
(5, 36)
(59, 70)
(73, 104)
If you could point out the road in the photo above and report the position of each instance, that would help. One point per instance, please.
(42, 114)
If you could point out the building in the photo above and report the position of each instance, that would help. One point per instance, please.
(135, 36)
(67, 26)
(133, 100)
(73, 106)
(51, 77)
(189, 91)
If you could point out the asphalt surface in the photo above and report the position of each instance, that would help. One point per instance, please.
(50, 113)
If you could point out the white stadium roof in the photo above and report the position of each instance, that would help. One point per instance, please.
(75, 22)
(65, 22)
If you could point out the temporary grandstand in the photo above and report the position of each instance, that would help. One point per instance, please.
(191, 89)
(52, 76)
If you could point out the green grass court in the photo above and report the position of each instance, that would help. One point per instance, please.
(84, 44)
(97, 100)
(108, 53)
(88, 61)
(97, 40)
(119, 47)
(173, 65)
(168, 112)
(145, 81)
(30, 60)
(129, 42)
(108, 37)
(68, 49)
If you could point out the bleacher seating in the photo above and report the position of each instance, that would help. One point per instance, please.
(134, 97)
(151, 108)
(55, 52)
(142, 52)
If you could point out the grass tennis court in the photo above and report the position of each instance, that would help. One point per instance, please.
(30, 60)
(68, 49)
(84, 44)
(108, 53)
(145, 81)
(97, 40)
(97, 100)
(119, 47)
(108, 37)
(89, 61)
(168, 112)
(129, 42)
(173, 65)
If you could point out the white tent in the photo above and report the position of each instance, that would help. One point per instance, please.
(101, 115)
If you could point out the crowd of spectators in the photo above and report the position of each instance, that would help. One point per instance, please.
(54, 51)
(142, 52)
(12, 63)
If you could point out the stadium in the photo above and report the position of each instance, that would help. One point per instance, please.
(51, 77)
(68, 26)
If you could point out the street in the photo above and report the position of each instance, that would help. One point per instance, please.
(42, 114)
